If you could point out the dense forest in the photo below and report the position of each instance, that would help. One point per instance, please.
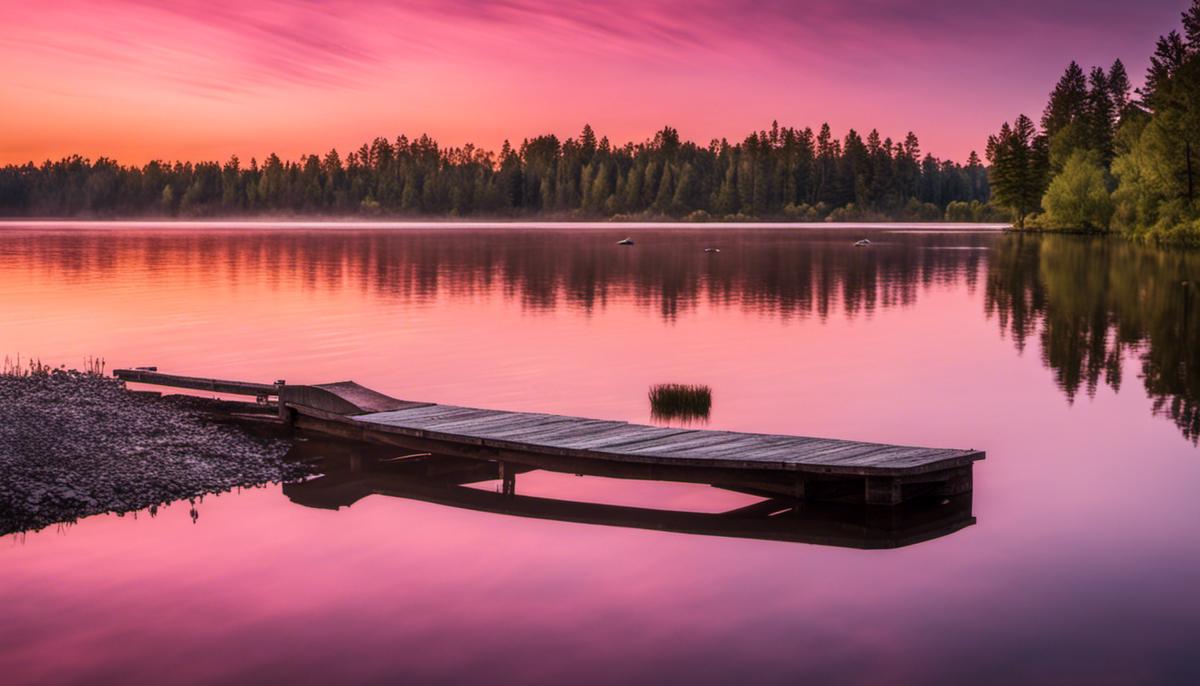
(1104, 159)
(783, 173)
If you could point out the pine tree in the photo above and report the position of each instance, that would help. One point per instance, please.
(666, 191)
(587, 143)
(1191, 26)
(1169, 54)
(976, 178)
(773, 172)
(1101, 116)
(1066, 121)
(687, 190)
(1118, 88)
(1068, 101)
(1019, 167)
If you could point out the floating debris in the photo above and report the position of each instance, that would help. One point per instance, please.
(625, 241)
(862, 244)
(712, 250)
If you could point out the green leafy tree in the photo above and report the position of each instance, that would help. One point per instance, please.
(1078, 197)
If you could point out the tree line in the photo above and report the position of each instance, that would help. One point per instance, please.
(780, 173)
(1106, 157)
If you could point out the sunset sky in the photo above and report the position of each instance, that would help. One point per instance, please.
(203, 79)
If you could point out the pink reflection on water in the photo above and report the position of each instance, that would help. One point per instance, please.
(1080, 505)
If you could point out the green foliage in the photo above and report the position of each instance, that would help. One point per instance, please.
(1092, 127)
(972, 212)
(1068, 102)
(1158, 168)
(1078, 197)
(1119, 88)
(168, 200)
(1019, 160)
(1146, 179)
(781, 173)
(1083, 111)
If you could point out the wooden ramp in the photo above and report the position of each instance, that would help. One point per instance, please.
(797, 466)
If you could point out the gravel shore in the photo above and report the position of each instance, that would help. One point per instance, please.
(73, 445)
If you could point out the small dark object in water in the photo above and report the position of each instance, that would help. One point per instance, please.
(862, 244)
(625, 241)
(712, 250)
(687, 402)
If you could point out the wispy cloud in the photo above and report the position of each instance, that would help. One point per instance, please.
(234, 46)
(517, 65)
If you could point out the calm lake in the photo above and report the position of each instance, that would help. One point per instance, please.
(1074, 362)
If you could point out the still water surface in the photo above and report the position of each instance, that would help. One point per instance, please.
(1074, 362)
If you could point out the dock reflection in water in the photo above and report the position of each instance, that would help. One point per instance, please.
(349, 472)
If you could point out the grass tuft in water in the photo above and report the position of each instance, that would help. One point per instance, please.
(687, 402)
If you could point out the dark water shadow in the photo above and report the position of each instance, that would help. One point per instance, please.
(350, 472)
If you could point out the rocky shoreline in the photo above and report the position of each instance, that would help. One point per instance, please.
(75, 444)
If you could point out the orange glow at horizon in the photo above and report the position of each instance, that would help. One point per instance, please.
(183, 79)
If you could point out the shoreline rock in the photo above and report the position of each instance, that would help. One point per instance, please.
(74, 445)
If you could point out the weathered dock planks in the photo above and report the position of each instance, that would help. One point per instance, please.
(797, 466)
(152, 376)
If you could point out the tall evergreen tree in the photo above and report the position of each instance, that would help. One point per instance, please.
(1068, 101)
(1019, 167)
(1065, 120)
(1101, 116)
(1119, 88)
(1169, 54)
(1191, 26)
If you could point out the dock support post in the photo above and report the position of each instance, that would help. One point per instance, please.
(799, 492)
(285, 414)
(882, 490)
(508, 479)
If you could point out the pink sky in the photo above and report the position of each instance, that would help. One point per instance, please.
(135, 79)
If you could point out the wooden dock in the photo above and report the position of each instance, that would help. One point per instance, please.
(351, 471)
(794, 466)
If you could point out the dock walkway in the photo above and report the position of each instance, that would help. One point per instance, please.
(798, 466)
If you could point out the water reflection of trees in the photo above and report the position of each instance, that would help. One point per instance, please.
(782, 273)
(1091, 302)
(1088, 303)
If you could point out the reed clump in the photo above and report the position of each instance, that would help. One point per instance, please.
(18, 368)
(93, 366)
(15, 367)
(687, 402)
